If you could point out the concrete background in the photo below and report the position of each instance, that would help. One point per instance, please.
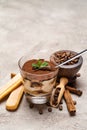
(42, 26)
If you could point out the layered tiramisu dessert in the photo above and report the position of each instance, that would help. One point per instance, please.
(38, 80)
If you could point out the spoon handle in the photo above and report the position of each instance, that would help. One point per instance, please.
(76, 56)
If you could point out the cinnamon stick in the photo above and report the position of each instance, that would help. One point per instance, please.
(74, 90)
(69, 102)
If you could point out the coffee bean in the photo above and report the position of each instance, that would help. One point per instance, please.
(68, 54)
(75, 61)
(57, 92)
(60, 107)
(63, 59)
(71, 62)
(57, 61)
(40, 111)
(58, 54)
(31, 105)
(63, 55)
(74, 102)
(55, 98)
(49, 109)
(54, 102)
(61, 102)
(56, 95)
(78, 75)
(48, 103)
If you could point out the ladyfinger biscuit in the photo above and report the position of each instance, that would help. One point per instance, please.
(15, 98)
(10, 86)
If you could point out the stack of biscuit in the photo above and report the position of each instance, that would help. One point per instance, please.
(14, 89)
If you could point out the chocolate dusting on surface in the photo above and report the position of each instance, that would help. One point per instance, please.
(28, 67)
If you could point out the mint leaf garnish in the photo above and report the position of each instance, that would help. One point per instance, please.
(40, 64)
(44, 64)
(36, 66)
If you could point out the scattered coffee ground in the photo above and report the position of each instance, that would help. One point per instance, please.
(62, 56)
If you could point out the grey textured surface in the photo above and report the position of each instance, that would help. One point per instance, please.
(42, 26)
